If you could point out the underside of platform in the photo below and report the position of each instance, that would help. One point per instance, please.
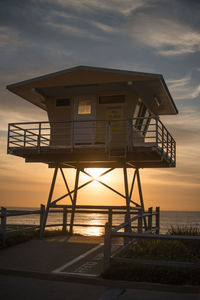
(86, 157)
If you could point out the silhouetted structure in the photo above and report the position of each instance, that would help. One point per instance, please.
(98, 118)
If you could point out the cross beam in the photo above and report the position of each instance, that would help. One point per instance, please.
(73, 193)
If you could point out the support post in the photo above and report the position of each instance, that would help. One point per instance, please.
(132, 185)
(3, 225)
(64, 228)
(48, 202)
(140, 212)
(110, 216)
(42, 212)
(107, 246)
(150, 219)
(157, 220)
(74, 201)
(141, 196)
(127, 215)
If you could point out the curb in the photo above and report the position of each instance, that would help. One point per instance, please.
(105, 282)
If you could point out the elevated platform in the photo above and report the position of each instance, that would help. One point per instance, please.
(113, 143)
(91, 157)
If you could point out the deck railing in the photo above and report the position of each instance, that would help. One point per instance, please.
(101, 133)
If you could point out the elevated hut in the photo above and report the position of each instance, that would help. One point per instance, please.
(97, 118)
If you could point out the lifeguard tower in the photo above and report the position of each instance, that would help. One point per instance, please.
(97, 118)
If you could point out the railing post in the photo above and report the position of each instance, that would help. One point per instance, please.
(140, 213)
(110, 216)
(175, 152)
(39, 136)
(109, 138)
(72, 137)
(42, 212)
(156, 131)
(64, 228)
(131, 134)
(167, 143)
(171, 154)
(157, 220)
(107, 246)
(150, 219)
(24, 138)
(163, 142)
(3, 225)
(8, 139)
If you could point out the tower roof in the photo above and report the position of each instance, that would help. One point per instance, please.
(84, 76)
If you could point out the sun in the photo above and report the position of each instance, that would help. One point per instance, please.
(95, 172)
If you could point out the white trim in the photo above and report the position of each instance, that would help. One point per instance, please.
(58, 270)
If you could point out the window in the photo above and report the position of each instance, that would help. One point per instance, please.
(84, 107)
(63, 102)
(111, 99)
(140, 117)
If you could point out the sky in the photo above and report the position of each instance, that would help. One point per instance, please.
(38, 37)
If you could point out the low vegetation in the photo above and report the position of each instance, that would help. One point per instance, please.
(161, 250)
(21, 237)
(184, 230)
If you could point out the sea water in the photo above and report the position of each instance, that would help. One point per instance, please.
(167, 219)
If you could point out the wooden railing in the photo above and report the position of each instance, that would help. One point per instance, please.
(132, 238)
(65, 210)
(6, 213)
(153, 226)
(136, 132)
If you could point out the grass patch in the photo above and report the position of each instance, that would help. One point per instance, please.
(184, 230)
(165, 250)
(141, 273)
(16, 238)
(161, 250)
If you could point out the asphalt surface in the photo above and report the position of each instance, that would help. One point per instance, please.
(46, 255)
(65, 268)
(12, 287)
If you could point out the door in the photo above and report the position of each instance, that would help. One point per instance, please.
(84, 129)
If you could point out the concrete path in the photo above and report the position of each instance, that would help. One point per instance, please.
(12, 287)
(46, 255)
(57, 268)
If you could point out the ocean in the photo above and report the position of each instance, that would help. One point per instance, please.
(167, 219)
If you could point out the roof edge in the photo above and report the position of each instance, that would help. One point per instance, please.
(81, 67)
(169, 94)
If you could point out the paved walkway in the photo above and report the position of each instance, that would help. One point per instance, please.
(36, 289)
(58, 268)
(47, 255)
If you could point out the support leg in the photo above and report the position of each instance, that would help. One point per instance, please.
(131, 190)
(74, 201)
(65, 181)
(132, 185)
(48, 202)
(127, 216)
(141, 196)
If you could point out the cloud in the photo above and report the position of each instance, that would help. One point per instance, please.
(168, 37)
(74, 31)
(114, 6)
(105, 28)
(183, 88)
(9, 37)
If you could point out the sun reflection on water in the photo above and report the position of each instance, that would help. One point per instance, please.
(93, 221)
(94, 230)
